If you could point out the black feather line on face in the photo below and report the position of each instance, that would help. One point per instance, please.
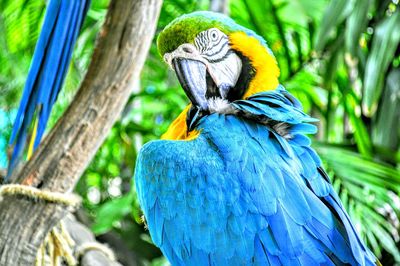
(216, 53)
(230, 51)
(246, 75)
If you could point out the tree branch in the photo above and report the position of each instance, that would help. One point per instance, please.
(123, 44)
(81, 236)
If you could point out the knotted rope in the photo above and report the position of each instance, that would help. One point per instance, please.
(70, 200)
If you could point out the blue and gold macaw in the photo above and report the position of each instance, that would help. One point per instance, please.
(234, 180)
(49, 66)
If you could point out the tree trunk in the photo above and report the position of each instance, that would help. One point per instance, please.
(122, 46)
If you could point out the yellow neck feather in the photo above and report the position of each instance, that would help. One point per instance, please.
(266, 68)
(178, 129)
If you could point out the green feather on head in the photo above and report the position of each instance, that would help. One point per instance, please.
(185, 28)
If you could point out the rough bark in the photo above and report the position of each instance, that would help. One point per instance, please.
(118, 58)
(3, 173)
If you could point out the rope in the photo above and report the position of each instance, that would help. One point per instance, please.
(33, 193)
(57, 248)
(58, 245)
(63, 245)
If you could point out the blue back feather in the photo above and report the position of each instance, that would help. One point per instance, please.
(241, 194)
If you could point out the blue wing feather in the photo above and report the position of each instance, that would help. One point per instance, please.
(241, 194)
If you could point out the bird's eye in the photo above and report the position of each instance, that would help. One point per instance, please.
(214, 35)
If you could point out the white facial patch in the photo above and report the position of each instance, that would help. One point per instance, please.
(227, 71)
(212, 48)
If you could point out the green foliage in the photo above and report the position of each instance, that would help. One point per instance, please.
(340, 58)
(363, 185)
(111, 212)
(385, 42)
(19, 27)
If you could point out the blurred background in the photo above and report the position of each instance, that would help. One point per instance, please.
(341, 58)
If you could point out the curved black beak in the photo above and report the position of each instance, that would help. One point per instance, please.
(192, 77)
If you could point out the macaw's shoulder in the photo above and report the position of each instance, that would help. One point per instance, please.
(181, 187)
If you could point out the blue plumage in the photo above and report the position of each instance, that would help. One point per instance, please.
(242, 194)
(50, 62)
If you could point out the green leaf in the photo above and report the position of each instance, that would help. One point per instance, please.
(386, 125)
(111, 212)
(334, 14)
(355, 25)
(361, 134)
(313, 9)
(161, 261)
(384, 238)
(353, 160)
(384, 45)
(373, 243)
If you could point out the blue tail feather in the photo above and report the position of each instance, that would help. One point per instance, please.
(53, 51)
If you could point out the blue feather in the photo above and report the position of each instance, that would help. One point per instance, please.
(241, 194)
(49, 65)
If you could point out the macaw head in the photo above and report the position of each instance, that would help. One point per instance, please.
(216, 61)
